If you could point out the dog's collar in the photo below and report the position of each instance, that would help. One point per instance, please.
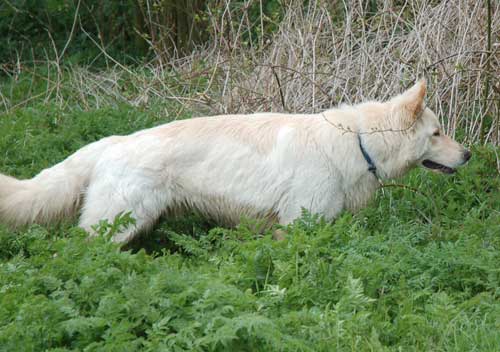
(371, 165)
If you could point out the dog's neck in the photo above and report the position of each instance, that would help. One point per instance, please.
(388, 153)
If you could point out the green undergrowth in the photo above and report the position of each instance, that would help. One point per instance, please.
(417, 270)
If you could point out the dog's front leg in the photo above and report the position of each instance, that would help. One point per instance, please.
(325, 199)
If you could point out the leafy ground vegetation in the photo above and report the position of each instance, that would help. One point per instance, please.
(414, 271)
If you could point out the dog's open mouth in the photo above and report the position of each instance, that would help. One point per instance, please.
(435, 166)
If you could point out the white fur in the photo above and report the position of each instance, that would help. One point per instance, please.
(227, 167)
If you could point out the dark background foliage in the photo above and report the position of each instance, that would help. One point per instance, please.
(127, 29)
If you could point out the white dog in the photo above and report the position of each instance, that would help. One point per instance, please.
(266, 166)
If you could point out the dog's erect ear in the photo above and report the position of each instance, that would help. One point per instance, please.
(411, 102)
(415, 97)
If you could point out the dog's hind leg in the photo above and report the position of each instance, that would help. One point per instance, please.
(106, 200)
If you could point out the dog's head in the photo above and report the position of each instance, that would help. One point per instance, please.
(429, 146)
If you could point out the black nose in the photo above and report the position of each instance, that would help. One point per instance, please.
(467, 155)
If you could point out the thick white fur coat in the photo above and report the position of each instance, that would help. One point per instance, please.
(266, 166)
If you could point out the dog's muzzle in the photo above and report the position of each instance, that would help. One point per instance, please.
(443, 168)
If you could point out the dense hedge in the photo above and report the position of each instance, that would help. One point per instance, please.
(127, 29)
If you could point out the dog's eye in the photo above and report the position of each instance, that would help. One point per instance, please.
(436, 134)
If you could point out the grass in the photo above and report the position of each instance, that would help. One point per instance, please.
(411, 272)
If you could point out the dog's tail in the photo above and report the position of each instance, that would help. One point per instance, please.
(53, 194)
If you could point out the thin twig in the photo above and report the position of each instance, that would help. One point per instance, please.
(280, 90)
(71, 32)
